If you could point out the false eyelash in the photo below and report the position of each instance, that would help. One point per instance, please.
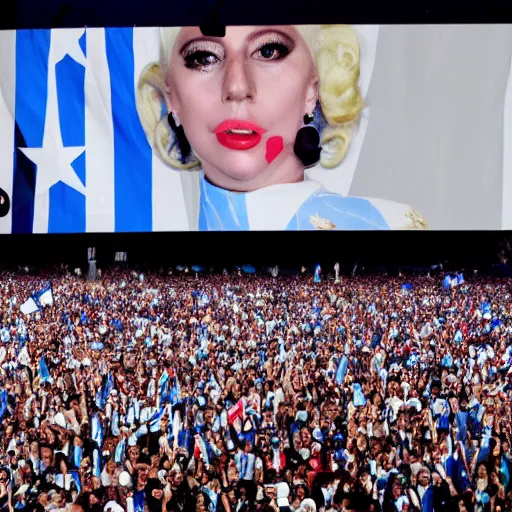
(274, 39)
(277, 44)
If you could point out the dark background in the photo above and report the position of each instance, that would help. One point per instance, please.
(388, 249)
(102, 13)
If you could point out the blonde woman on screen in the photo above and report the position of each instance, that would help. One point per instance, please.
(248, 113)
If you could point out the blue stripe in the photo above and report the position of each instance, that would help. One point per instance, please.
(83, 42)
(67, 206)
(132, 153)
(32, 50)
(346, 213)
(70, 77)
(221, 210)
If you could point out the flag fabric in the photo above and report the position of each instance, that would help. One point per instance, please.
(318, 271)
(162, 381)
(155, 421)
(119, 452)
(214, 384)
(3, 403)
(342, 370)
(176, 427)
(108, 387)
(43, 370)
(44, 297)
(175, 392)
(24, 357)
(74, 157)
(29, 306)
(236, 412)
(200, 450)
(96, 430)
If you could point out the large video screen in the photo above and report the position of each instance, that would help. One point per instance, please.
(324, 127)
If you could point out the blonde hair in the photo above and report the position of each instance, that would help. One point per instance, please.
(336, 53)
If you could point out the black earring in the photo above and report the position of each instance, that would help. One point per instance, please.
(307, 145)
(5, 203)
(308, 118)
(181, 139)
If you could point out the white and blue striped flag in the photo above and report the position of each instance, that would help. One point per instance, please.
(44, 297)
(29, 306)
(73, 154)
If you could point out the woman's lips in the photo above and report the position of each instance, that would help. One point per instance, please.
(239, 135)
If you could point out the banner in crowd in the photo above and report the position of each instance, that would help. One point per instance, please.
(38, 300)
(410, 127)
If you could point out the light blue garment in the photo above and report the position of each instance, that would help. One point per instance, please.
(342, 370)
(359, 398)
(77, 456)
(221, 210)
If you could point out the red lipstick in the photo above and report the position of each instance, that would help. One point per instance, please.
(239, 135)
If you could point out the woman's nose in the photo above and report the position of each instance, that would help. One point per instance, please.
(238, 83)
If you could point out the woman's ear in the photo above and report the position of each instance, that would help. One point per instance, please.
(168, 98)
(312, 93)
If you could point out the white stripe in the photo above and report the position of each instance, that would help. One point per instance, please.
(506, 212)
(99, 137)
(340, 179)
(7, 99)
(169, 213)
(395, 214)
(272, 208)
(51, 132)
(29, 306)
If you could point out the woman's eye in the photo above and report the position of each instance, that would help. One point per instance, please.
(200, 59)
(273, 51)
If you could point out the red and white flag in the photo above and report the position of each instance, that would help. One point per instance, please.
(236, 412)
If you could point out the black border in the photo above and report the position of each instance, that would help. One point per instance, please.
(102, 13)
(461, 249)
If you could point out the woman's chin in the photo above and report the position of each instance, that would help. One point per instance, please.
(239, 168)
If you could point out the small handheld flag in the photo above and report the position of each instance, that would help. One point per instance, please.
(318, 272)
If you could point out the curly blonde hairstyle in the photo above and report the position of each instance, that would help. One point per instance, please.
(336, 53)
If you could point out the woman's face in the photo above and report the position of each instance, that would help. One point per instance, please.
(424, 478)
(259, 75)
(133, 452)
(34, 448)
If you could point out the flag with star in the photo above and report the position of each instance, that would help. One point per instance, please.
(73, 155)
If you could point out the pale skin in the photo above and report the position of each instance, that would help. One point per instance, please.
(262, 75)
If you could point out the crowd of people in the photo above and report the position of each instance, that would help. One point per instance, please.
(230, 393)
